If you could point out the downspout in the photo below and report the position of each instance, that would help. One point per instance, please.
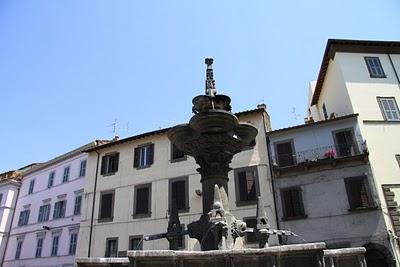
(94, 201)
(9, 230)
(394, 69)
(272, 179)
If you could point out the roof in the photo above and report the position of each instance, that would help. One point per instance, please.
(65, 156)
(312, 124)
(350, 46)
(157, 132)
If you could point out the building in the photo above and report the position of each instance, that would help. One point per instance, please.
(324, 187)
(45, 226)
(131, 182)
(363, 77)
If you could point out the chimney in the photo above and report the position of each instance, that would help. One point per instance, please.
(262, 106)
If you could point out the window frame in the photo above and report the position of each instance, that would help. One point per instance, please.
(325, 112)
(105, 164)
(111, 218)
(397, 156)
(24, 217)
(142, 215)
(31, 186)
(54, 245)
(38, 253)
(82, 168)
(137, 156)
(383, 111)
(294, 156)
(355, 144)
(50, 180)
(43, 216)
(173, 159)
(77, 211)
(66, 172)
(170, 182)
(61, 213)
(18, 248)
(108, 239)
(135, 237)
(285, 215)
(370, 68)
(240, 202)
(371, 201)
(72, 242)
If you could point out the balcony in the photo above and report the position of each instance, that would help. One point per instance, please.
(320, 155)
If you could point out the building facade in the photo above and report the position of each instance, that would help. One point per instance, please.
(363, 77)
(45, 227)
(324, 186)
(135, 179)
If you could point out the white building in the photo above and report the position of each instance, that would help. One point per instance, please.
(47, 214)
(325, 189)
(363, 77)
(134, 179)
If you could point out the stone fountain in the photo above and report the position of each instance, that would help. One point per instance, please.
(213, 136)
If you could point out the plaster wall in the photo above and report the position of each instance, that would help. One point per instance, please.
(124, 181)
(59, 191)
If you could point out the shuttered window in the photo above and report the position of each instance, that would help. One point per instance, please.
(142, 201)
(246, 184)
(44, 213)
(345, 144)
(176, 153)
(285, 154)
(144, 156)
(109, 164)
(292, 203)
(59, 209)
(112, 247)
(106, 206)
(178, 192)
(358, 192)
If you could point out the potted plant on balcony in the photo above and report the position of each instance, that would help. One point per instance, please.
(329, 154)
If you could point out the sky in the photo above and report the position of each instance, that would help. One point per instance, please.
(70, 68)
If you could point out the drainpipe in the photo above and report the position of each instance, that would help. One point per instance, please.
(9, 230)
(271, 174)
(94, 201)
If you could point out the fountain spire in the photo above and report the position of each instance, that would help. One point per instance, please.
(210, 82)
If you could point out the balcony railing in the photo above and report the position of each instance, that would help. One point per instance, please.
(320, 153)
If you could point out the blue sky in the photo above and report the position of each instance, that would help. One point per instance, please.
(69, 68)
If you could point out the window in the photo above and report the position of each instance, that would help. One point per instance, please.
(66, 175)
(39, 245)
(358, 192)
(177, 154)
(112, 247)
(109, 163)
(78, 204)
(50, 181)
(142, 201)
(325, 111)
(251, 237)
(54, 246)
(285, 154)
(398, 159)
(59, 209)
(292, 203)
(178, 192)
(31, 186)
(73, 239)
(82, 168)
(144, 156)
(136, 242)
(246, 183)
(19, 248)
(345, 143)
(1, 198)
(374, 67)
(23, 217)
(389, 108)
(106, 206)
(44, 213)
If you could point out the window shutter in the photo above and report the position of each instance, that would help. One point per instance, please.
(136, 157)
(151, 154)
(297, 202)
(103, 165)
(116, 162)
(287, 203)
(242, 186)
(285, 154)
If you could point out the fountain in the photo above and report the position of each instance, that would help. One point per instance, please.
(213, 136)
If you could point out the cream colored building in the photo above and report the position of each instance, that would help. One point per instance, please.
(133, 180)
(362, 77)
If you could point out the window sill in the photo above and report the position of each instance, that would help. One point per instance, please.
(139, 216)
(178, 159)
(301, 217)
(361, 209)
(246, 203)
(381, 121)
(378, 76)
(103, 220)
(143, 167)
(185, 210)
(109, 174)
